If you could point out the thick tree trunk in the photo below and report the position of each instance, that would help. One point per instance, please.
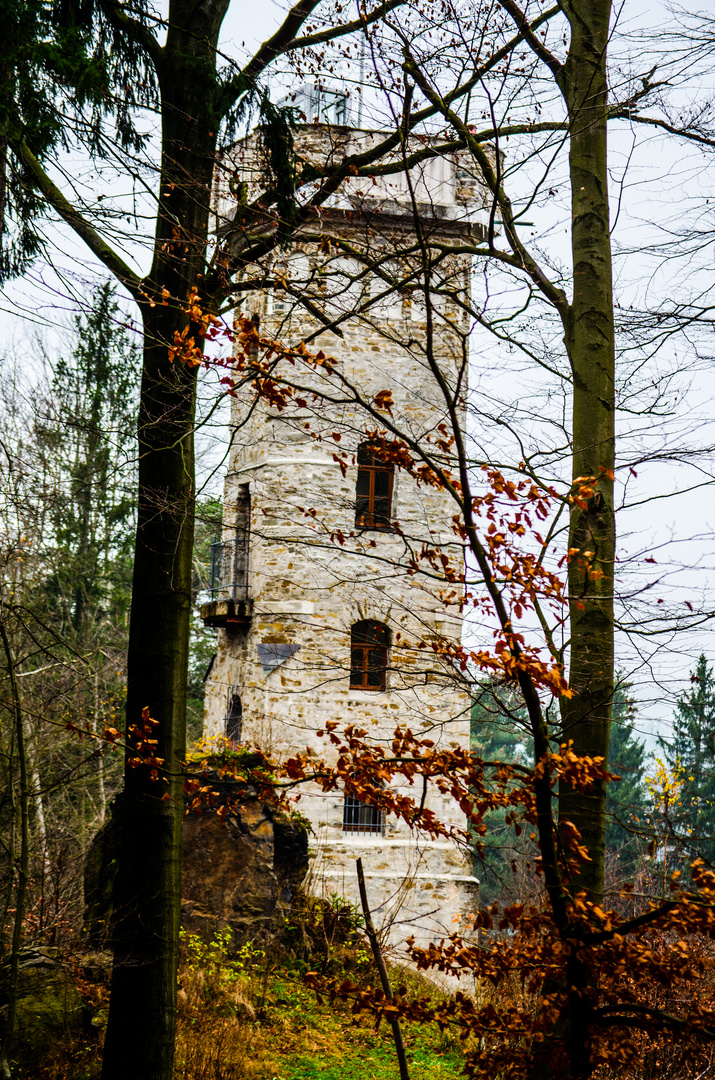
(23, 865)
(590, 344)
(140, 1035)
(141, 1030)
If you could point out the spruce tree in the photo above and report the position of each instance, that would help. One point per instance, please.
(64, 67)
(626, 798)
(499, 732)
(85, 431)
(691, 753)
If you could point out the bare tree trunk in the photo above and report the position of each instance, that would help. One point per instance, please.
(382, 969)
(148, 886)
(38, 809)
(35, 789)
(591, 349)
(590, 342)
(23, 868)
(100, 757)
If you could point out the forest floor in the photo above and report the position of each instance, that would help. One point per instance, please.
(299, 1038)
(245, 1016)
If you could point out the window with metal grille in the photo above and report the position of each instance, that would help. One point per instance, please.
(234, 715)
(373, 490)
(369, 646)
(361, 817)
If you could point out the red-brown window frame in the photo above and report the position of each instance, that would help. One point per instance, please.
(369, 654)
(370, 465)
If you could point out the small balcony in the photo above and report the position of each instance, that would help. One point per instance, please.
(230, 607)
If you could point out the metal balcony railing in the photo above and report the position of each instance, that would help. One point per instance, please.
(229, 568)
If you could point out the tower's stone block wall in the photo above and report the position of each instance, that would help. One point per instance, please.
(312, 572)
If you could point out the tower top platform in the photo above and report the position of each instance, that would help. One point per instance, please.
(439, 188)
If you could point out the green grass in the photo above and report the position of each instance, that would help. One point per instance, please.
(320, 1042)
(293, 1036)
(246, 1017)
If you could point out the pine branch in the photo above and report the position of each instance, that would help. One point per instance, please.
(139, 34)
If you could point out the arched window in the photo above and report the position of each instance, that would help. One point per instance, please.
(369, 645)
(234, 716)
(360, 817)
(373, 492)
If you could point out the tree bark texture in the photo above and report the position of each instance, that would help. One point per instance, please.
(23, 865)
(142, 1017)
(591, 348)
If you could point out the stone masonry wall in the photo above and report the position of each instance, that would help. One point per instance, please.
(307, 587)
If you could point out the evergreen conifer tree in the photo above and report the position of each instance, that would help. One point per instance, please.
(626, 799)
(691, 752)
(499, 732)
(85, 433)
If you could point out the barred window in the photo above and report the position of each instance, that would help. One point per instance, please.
(369, 647)
(373, 490)
(361, 817)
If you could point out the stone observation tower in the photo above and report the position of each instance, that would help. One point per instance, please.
(318, 619)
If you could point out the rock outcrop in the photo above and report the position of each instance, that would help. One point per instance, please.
(240, 870)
